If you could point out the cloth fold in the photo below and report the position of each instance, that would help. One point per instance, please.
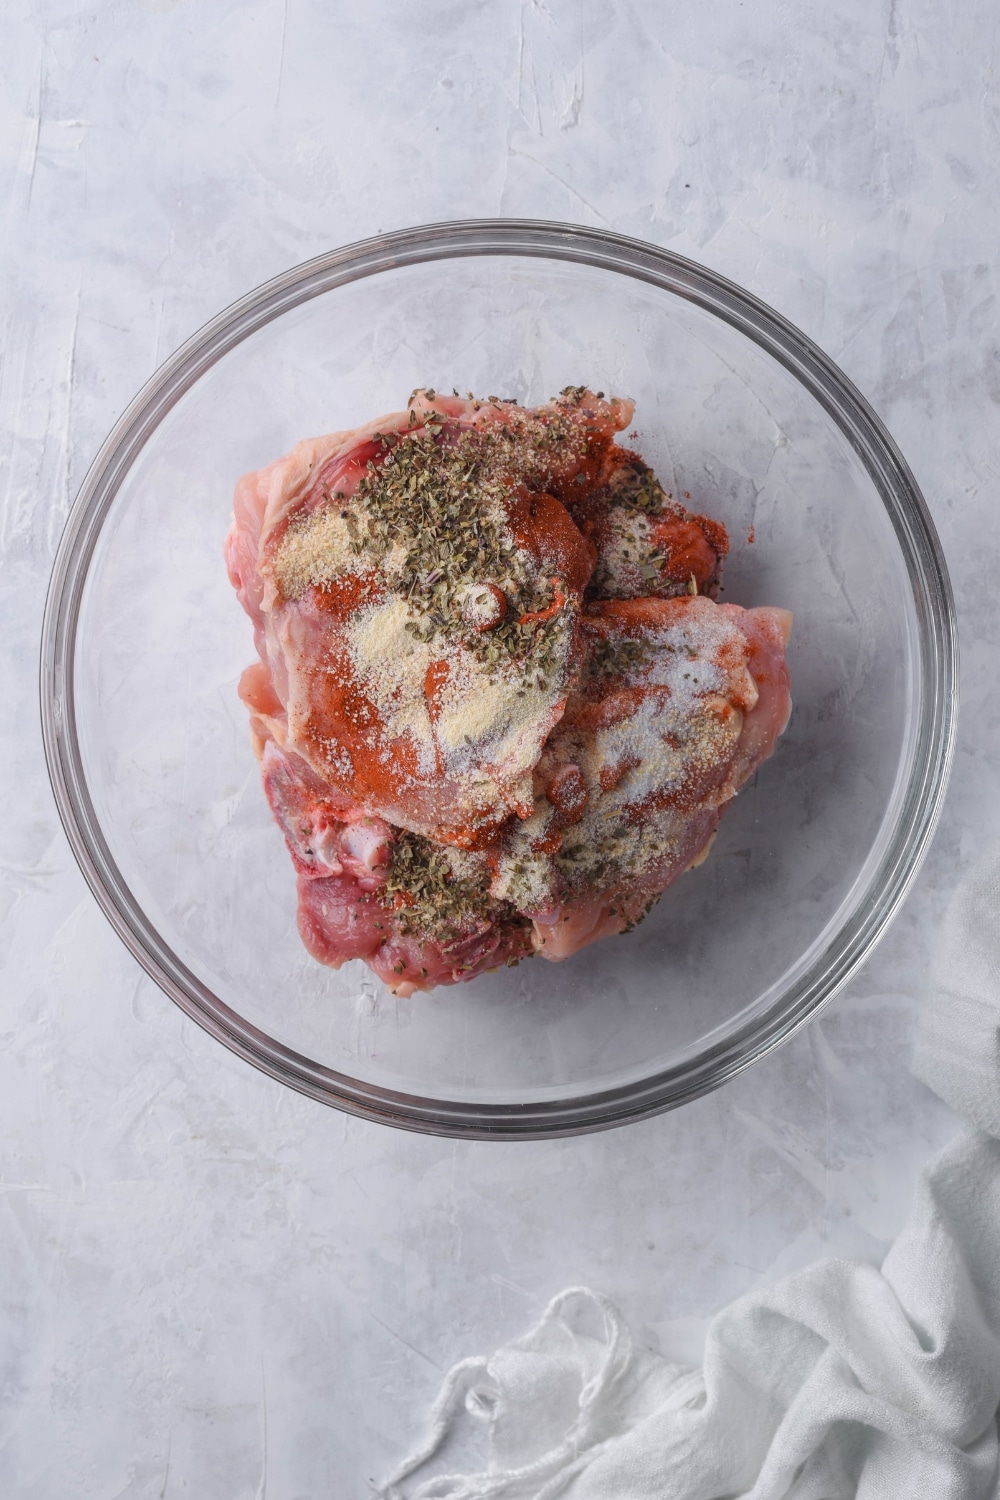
(841, 1382)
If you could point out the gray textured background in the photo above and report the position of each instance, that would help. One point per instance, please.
(208, 1285)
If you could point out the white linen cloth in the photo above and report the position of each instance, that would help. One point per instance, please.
(838, 1382)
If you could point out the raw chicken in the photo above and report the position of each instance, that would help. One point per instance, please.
(683, 700)
(356, 553)
(497, 709)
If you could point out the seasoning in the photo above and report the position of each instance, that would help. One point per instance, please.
(437, 892)
(431, 517)
(636, 488)
(498, 703)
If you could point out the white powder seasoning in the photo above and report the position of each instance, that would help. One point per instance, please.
(328, 544)
(314, 551)
(497, 713)
(686, 726)
(526, 876)
(491, 718)
(391, 665)
(624, 548)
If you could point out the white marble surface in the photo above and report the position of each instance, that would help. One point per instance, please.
(209, 1285)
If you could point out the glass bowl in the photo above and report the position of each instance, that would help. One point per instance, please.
(144, 641)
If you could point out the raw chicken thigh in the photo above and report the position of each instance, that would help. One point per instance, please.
(497, 708)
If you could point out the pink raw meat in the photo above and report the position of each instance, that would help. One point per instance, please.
(515, 752)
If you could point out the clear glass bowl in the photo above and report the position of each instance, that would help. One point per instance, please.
(148, 747)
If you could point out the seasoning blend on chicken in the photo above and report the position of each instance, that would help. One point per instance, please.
(497, 708)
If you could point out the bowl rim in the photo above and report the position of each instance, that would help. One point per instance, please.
(869, 912)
